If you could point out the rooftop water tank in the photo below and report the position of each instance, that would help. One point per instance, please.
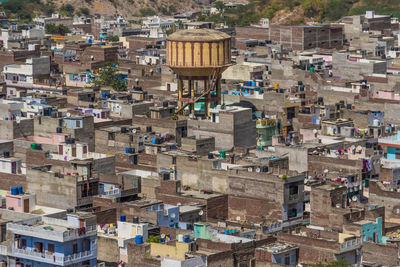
(19, 189)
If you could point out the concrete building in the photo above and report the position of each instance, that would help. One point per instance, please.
(54, 240)
(347, 66)
(306, 37)
(34, 70)
(230, 126)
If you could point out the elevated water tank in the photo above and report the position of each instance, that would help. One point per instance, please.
(197, 52)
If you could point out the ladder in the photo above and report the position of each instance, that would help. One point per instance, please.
(206, 92)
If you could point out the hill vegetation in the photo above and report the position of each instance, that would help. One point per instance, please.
(300, 11)
(279, 11)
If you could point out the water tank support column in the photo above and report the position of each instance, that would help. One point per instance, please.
(207, 104)
(180, 92)
(218, 89)
(192, 95)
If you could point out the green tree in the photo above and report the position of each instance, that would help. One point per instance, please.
(85, 11)
(67, 10)
(56, 29)
(335, 9)
(219, 5)
(146, 12)
(108, 76)
(48, 8)
(313, 8)
(113, 38)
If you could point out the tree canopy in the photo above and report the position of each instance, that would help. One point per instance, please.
(60, 29)
(108, 76)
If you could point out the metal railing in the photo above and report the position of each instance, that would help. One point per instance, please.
(52, 258)
(350, 244)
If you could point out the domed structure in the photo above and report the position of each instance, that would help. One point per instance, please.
(198, 55)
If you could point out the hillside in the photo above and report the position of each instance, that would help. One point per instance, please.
(27, 9)
(279, 11)
(302, 11)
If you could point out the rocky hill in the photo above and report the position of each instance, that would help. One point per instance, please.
(131, 8)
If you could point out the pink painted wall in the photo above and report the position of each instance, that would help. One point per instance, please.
(55, 140)
(14, 202)
(326, 58)
(386, 95)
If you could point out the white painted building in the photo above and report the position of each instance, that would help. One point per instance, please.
(28, 72)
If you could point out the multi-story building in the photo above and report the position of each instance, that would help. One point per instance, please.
(54, 240)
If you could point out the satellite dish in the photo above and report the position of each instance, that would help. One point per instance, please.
(250, 169)
(315, 131)
(258, 170)
(68, 114)
(162, 235)
(201, 213)
(179, 204)
(354, 199)
(326, 171)
(173, 215)
(353, 147)
(359, 148)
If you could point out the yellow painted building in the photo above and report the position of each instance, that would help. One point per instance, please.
(177, 251)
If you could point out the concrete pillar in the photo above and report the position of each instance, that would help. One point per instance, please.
(180, 92)
(218, 89)
(192, 95)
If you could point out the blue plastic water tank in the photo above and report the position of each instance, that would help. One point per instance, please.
(127, 150)
(154, 140)
(139, 239)
(19, 189)
(226, 232)
(122, 218)
(104, 95)
(14, 191)
(186, 239)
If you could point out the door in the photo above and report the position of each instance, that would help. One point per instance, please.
(26, 205)
(14, 167)
(75, 248)
(74, 151)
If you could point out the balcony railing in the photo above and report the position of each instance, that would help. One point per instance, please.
(38, 256)
(52, 258)
(3, 250)
(350, 244)
(77, 257)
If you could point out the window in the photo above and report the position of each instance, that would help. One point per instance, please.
(23, 243)
(293, 189)
(134, 183)
(50, 248)
(111, 136)
(39, 247)
(292, 213)
(75, 248)
(78, 123)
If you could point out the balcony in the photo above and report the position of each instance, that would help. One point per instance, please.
(38, 256)
(3, 250)
(52, 258)
(351, 244)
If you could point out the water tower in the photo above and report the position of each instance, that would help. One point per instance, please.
(198, 57)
